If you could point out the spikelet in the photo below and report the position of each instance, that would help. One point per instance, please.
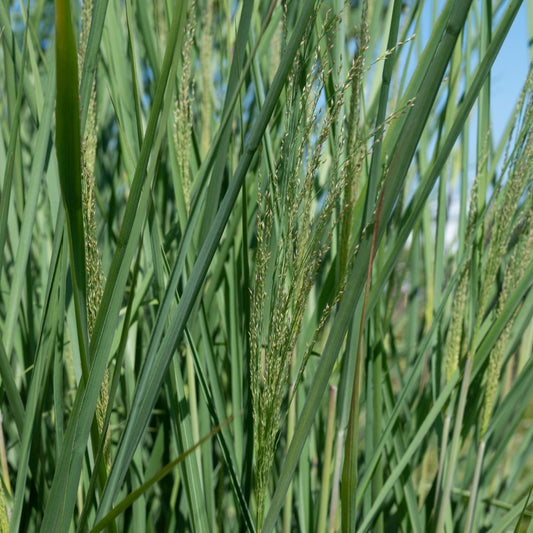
(4, 519)
(455, 338)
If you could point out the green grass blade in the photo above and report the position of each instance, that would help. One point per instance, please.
(68, 150)
(421, 195)
(91, 58)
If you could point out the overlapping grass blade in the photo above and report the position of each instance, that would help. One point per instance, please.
(68, 149)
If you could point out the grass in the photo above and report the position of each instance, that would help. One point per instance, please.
(264, 266)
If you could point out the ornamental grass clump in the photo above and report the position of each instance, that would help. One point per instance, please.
(232, 210)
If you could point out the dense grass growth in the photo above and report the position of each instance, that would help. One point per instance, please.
(264, 266)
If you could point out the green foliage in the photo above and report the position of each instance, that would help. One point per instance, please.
(228, 209)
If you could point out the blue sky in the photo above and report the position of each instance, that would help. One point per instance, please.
(509, 73)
